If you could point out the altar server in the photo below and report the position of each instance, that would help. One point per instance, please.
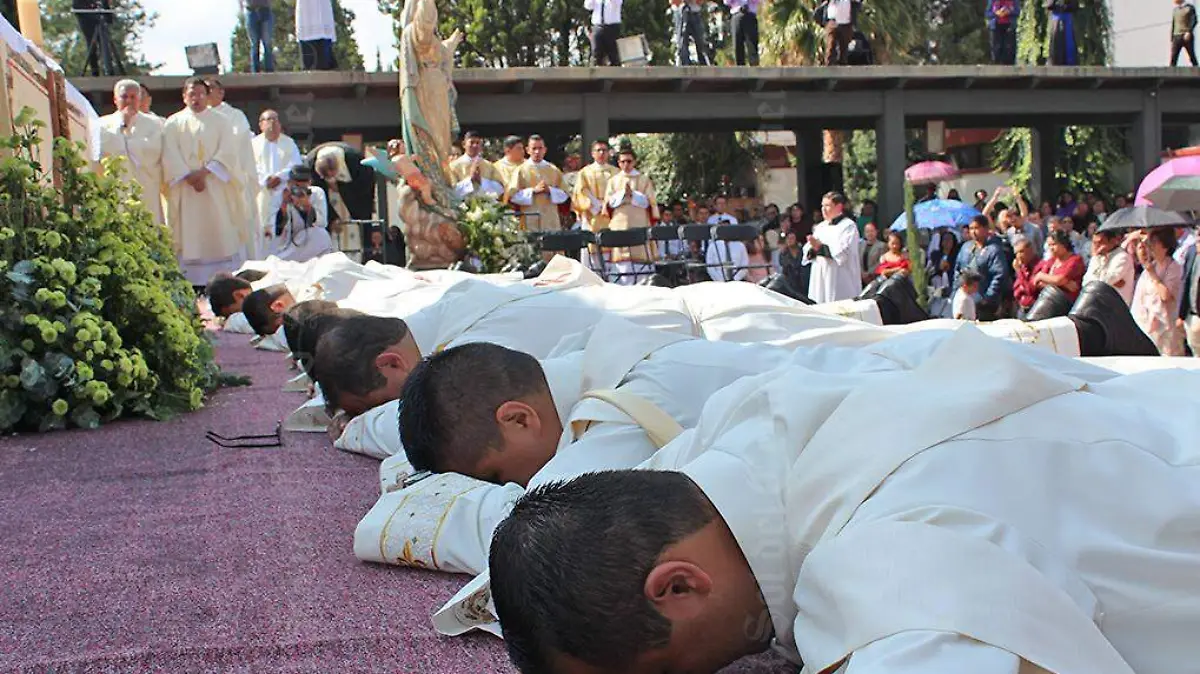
(1029, 520)
(630, 203)
(472, 174)
(832, 250)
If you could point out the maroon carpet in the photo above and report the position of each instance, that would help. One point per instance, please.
(143, 547)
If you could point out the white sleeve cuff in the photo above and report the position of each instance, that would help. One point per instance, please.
(491, 187)
(523, 197)
(640, 200)
(218, 169)
(557, 196)
(614, 201)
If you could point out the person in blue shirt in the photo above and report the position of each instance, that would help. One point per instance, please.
(984, 254)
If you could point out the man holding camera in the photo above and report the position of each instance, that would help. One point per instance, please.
(299, 230)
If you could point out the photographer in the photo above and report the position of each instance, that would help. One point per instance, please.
(299, 230)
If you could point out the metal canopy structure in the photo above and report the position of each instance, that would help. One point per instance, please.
(599, 102)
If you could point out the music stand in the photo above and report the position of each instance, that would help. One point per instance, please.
(108, 60)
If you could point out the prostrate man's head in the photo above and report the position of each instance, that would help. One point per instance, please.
(480, 410)
(362, 362)
(264, 308)
(306, 322)
(627, 571)
(226, 294)
(251, 275)
(195, 94)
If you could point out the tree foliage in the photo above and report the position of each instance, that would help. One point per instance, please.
(538, 33)
(287, 49)
(697, 165)
(65, 43)
(1087, 154)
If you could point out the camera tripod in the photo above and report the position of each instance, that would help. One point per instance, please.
(102, 57)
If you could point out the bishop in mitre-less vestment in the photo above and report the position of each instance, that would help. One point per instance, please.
(208, 225)
(543, 204)
(141, 144)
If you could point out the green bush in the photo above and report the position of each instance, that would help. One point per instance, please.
(97, 320)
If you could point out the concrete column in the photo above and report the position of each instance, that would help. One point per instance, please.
(595, 118)
(809, 169)
(1044, 144)
(1146, 138)
(890, 147)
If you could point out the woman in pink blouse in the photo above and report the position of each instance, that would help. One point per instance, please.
(1156, 296)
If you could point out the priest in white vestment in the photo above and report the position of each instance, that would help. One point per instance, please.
(246, 170)
(275, 155)
(205, 202)
(472, 174)
(138, 138)
(1039, 518)
(832, 250)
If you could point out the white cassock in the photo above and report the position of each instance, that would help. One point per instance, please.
(247, 174)
(272, 160)
(1040, 512)
(208, 226)
(624, 395)
(838, 275)
(314, 20)
(141, 143)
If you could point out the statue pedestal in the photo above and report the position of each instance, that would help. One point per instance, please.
(433, 241)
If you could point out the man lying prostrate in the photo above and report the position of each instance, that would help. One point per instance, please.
(1018, 520)
(499, 416)
(1101, 326)
(607, 428)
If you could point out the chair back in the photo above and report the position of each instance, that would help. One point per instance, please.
(563, 242)
(622, 238)
(735, 232)
(695, 232)
(664, 233)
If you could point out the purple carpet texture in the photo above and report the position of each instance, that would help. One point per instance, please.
(143, 547)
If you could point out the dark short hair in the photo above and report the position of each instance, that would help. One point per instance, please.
(1166, 236)
(220, 292)
(969, 277)
(599, 535)
(1061, 237)
(450, 401)
(251, 275)
(982, 220)
(512, 141)
(305, 322)
(257, 308)
(836, 197)
(213, 82)
(534, 136)
(600, 141)
(628, 151)
(472, 134)
(301, 173)
(195, 82)
(344, 360)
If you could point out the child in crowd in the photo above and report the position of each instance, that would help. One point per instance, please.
(963, 305)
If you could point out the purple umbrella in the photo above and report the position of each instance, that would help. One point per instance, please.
(1180, 166)
(930, 172)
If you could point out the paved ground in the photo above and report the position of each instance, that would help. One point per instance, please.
(143, 547)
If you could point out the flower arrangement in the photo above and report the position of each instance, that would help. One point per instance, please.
(100, 321)
(492, 237)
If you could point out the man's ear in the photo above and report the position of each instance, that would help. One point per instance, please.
(517, 416)
(241, 294)
(678, 589)
(278, 306)
(393, 360)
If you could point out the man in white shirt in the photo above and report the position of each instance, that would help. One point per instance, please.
(1111, 264)
(722, 216)
(605, 29)
(832, 250)
(838, 18)
(934, 543)
(316, 31)
(275, 155)
(300, 229)
(727, 261)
